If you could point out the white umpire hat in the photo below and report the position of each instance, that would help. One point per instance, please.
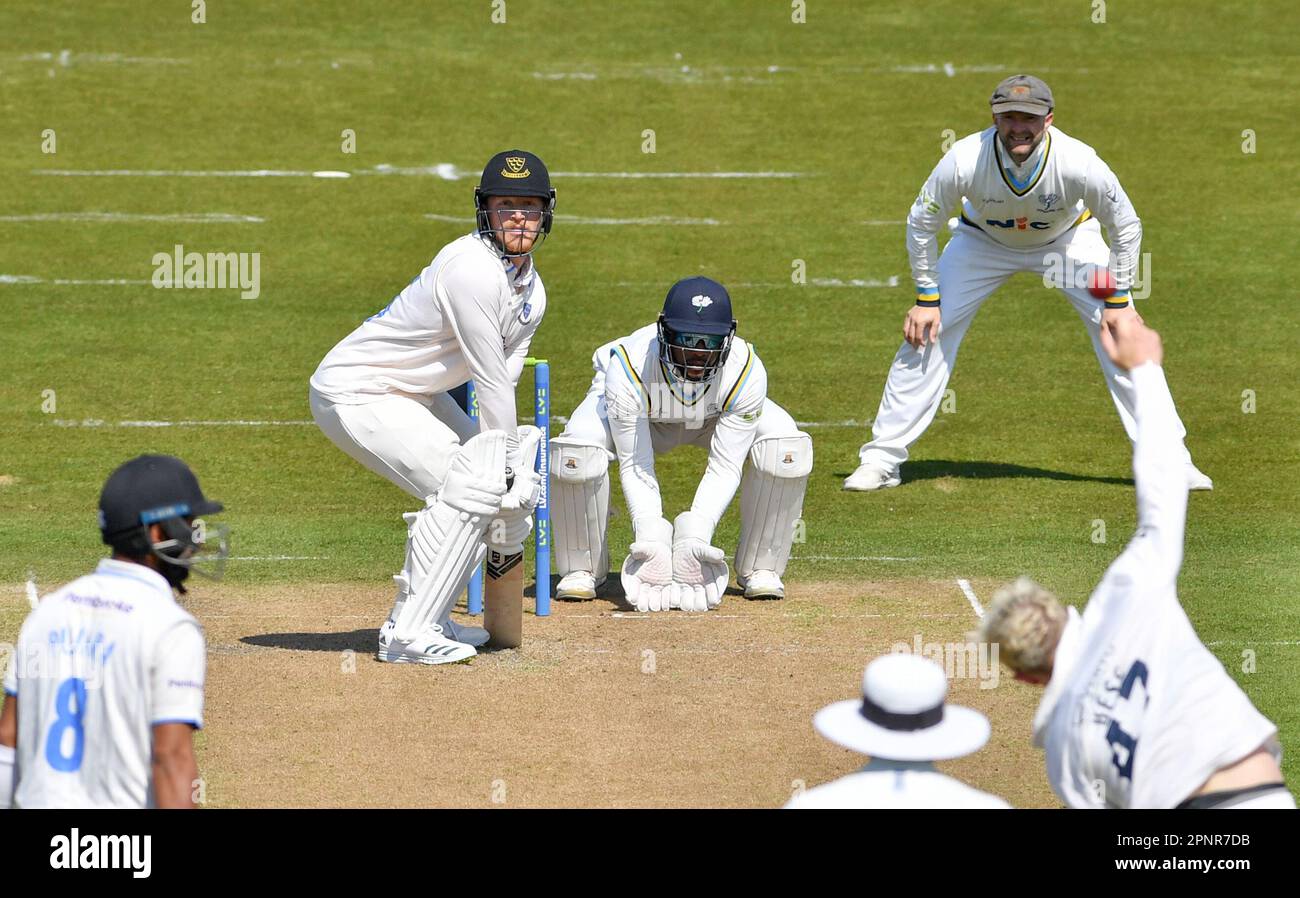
(902, 715)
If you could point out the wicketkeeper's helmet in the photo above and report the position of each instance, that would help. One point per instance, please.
(696, 320)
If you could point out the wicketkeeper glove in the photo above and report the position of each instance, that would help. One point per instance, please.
(647, 573)
(700, 570)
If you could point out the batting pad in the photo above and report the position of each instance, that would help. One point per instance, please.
(771, 501)
(446, 539)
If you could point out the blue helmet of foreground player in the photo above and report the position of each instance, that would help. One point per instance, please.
(162, 490)
(696, 329)
(514, 173)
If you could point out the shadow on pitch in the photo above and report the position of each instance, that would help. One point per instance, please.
(933, 469)
(360, 641)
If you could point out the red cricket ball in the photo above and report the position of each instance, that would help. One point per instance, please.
(1101, 283)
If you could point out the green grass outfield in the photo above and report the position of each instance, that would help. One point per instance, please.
(1035, 449)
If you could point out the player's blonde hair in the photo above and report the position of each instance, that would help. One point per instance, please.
(1025, 620)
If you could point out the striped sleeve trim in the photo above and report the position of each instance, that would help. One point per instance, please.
(626, 361)
(740, 381)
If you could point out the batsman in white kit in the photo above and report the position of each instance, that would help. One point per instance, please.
(105, 688)
(1137, 712)
(382, 396)
(685, 380)
(1032, 199)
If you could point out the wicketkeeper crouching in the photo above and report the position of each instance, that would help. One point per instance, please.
(683, 380)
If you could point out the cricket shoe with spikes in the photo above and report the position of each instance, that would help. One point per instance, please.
(431, 647)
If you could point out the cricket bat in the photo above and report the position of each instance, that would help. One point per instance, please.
(503, 599)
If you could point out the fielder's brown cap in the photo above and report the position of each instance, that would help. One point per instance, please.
(1022, 93)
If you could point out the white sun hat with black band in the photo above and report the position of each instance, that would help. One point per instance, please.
(902, 715)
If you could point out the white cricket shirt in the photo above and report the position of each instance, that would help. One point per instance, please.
(468, 314)
(1062, 183)
(98, 664)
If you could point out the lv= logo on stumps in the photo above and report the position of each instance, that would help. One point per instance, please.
(501, 601)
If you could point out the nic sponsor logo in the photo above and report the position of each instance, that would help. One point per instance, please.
(1018, 224)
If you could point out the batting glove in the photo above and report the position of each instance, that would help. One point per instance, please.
(508, 530)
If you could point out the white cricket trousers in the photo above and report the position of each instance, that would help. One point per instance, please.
(409, 441)
(971, 267)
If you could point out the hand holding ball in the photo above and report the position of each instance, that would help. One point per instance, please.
(1101, 283)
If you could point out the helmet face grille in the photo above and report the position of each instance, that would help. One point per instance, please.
(691, 357)
(497, 235)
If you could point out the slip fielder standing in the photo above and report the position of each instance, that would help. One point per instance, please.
(1032, 199)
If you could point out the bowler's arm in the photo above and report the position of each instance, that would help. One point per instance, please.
(1155, 553)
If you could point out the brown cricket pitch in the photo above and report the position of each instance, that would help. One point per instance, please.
(599, 707)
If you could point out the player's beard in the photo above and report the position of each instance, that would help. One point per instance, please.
(1033, 147)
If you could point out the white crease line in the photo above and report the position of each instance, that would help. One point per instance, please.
(1248, 643)
(67, 57)
(852, 558)
(637, 175)
(449, 172)
(970, 597)
(892, 281)
(555, 420)
(882, 221)
(279, 557)
(93, 422)
(947, 68)
(583, 220)
(176, 173)
(444, 170)
(847, 423)
(629, 615)
(28, 279)
(854, 283)
(182, 217)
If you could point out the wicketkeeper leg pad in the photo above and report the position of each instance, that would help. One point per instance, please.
(771, 501)
(580, 506)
